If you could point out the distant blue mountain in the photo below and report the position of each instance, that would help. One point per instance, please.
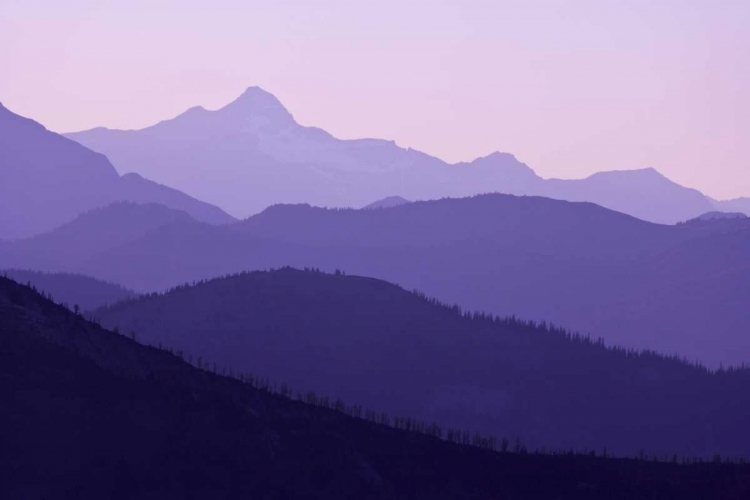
(252, 154)
(676, 289)
(47, 180)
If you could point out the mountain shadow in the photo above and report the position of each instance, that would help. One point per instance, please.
(69, 246)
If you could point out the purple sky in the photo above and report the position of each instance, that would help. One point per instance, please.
(570, 87)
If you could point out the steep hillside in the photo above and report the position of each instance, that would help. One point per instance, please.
(89, 414)
(72, 289)
(365, 339)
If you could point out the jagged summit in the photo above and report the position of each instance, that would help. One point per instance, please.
(506, 165)
(501, 159)
(251, 154)
(255, 102)
(256, 93)
(501, 155)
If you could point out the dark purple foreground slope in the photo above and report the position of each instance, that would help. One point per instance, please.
(89, 414)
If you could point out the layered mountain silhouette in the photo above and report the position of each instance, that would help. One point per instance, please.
(91, 414)
(366, 339)
(675, 289)
(735, 205)
(252, 154)
(71, 289)
(643, 193)
(47, 180)
(69, 246)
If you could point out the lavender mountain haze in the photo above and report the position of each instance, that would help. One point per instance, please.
(47, 180)
(251, 154)
(633, 283)
(675, 289)
(466, 250)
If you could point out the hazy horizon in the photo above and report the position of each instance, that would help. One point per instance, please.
(570, 89)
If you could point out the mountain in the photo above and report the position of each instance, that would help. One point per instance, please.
(675, 289)
(390, 201)
(509, 221)
(91, 414)
(72, 289)
(722, 215)
(735, 205)
(251, 154)
(365, 339)
(48, 180)
(67, 247)
(713, 222)
(134, 188)
(644, 193)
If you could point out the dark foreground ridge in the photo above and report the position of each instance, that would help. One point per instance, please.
(73, 290)
(88, 413)
(368, 341)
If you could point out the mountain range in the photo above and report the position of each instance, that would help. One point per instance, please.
(74, 290)
(251, 154)
(47, 180)
(337, 381)
(676, 289)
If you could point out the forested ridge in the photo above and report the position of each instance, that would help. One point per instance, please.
(366, 340)
(88, 413)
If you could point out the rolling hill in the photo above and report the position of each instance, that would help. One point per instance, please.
(363, 339)
(68, 246)
(675, 289)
